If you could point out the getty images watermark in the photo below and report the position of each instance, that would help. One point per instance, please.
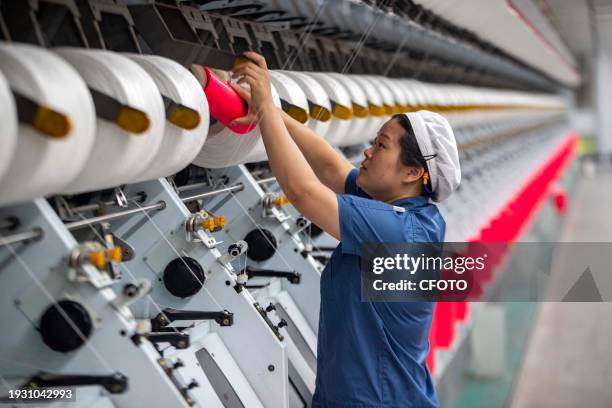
(492, 271)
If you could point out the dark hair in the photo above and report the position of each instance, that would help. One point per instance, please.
(410, 153)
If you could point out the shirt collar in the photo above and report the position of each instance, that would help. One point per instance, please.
(411, 202)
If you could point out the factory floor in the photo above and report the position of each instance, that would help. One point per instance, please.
(567, 362)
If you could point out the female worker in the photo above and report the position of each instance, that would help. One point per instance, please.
(370, 354)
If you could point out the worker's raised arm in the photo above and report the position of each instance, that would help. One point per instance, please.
(330, 167)
(296, 178)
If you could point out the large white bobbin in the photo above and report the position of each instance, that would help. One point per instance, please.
(376, 108)
(341, 108)
(187, 116)
(362, 120)
(318, 102)
(56, 139)
(122, 150)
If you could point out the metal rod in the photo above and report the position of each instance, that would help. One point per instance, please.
(237, 187)
(120, 214)
(266, 180)
(33, 234)
(9, 223)
(195, 186)
(112, 203)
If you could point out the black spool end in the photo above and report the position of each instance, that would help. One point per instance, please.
(60, 334)
(262, 245)
(184, 277)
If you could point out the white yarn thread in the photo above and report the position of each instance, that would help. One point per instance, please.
(315, 94)
(8, 126)
(338, 128)
(41, 165)
(118, 157)
(358, 96)
(179, 146)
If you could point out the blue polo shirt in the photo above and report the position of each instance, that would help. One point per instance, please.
(372, 354)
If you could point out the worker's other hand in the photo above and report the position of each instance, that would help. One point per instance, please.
(255, 73)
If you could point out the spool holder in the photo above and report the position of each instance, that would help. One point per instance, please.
(113, 24)
(174, 32)
(264, 42)
(289, 44)
(236, 31)
(263, 15)
(110, 24)
(230, 7)
(186, 34)
(329, 48)
(43, 22)
(314, 57)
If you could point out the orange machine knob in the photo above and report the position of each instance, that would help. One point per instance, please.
(114, 254)
(98, 259)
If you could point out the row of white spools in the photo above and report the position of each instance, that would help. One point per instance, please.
(97, 153)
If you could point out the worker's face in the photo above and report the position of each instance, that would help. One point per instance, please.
(382, 174)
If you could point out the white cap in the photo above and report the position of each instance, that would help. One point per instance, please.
(438, 146)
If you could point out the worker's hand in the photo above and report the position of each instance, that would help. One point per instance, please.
(255, 73)
(251, 116)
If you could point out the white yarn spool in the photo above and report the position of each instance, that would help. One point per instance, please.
(224, 148)
(419, 92)
(409, 90)
(179, 146)
(119, 156)
(358, 97)
(315, 94)
(42, 165)
(374, 98)
(449, 99)
(386, 94)
(8, 126)
(289, 90)
(398, 94)
(338, 128)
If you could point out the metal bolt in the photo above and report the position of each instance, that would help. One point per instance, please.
(130, 290)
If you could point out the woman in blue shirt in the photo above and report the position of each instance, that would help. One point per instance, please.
(370, 354)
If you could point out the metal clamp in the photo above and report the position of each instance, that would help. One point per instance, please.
(234, 251)
(131, 292)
